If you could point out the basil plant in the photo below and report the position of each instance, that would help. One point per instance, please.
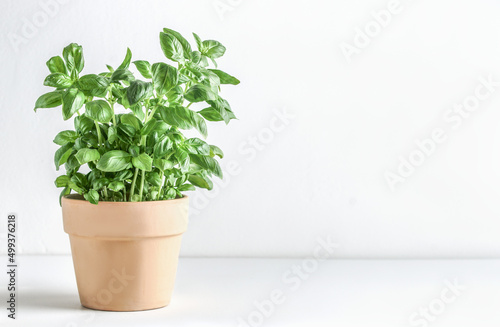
(141, 154)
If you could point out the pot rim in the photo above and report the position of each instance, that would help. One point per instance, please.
(124, 220)
(77, 197)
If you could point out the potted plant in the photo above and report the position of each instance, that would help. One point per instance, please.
(129, 163)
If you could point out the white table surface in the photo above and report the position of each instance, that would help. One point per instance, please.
(216, 292)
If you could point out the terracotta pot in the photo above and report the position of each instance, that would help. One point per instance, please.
(125, 254)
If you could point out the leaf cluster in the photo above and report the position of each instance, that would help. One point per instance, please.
(141, 154)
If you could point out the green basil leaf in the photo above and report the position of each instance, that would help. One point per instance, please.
(212, 78)
(207, 163)
(78, 182)
(126, 62)
(86, 155)
(183, 159)
(148, 127)
(223, 108)
(100, 183)
(161, 127)
(195, 57)
(123, 175)
(92, 196)
(216, 151)
(183, 78)
(194, 73)
(165, 77)
(92, 176)
(154, 126)
(162, 147)
(56, 65)
(211, 114)
(212, 49)
(225, 78)
(143, 162)
(175, 95)
(59, 80)
(204, 61)
(90, 140)
(93, 85)
(144, 68)
(138, 111)
(138, 91)
(199, 123)
(49, 100)
(171, 117)
(131, 119)
(171, 47)
(65, 137)
(197, 146)
(73, 54)
(62, 181)
(116, 186)
(163, 164)
(83, 124)
(154, 179)
(134, 150)
(170, 194)
(183, 118)
(186, 47)
(72, 101)
(79, 144)
(126, 130)
(72, 165)
(62, 154)
(114, 160)
(199, 181)
(199, 93)
(198, 41)
(181, 180)
(117, 90)
(74, 185)
(112, 134)
(122, 75)
(99, 110)
(186, 187)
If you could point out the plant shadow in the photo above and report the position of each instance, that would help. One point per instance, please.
(48, 300)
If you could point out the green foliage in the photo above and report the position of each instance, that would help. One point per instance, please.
(141, 155)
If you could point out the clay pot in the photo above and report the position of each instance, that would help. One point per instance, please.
(125, 254)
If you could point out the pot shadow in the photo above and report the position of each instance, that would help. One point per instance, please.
(50, 300)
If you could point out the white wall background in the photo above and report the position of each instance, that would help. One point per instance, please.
(323, 173)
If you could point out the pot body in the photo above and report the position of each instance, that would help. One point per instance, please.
(125, 254)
